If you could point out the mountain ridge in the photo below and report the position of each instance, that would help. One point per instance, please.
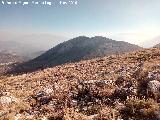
(76, 49)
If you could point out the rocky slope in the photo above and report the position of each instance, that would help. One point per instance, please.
(116, 87)
(77, 49)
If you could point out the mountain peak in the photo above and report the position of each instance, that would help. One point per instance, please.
(77, 49)
(82, 37)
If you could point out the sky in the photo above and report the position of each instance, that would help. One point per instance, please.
(134, 21)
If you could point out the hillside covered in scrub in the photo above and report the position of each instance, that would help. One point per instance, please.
(76, 49)
(117, 87)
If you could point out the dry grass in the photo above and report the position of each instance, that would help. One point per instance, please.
(63, 93)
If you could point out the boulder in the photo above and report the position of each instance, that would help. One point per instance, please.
(154, 86)
(153, 89)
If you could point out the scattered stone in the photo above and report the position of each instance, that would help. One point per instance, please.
(100, 82)
(92, 117)
(48, 90)
(74, 103)
(7, 100)
(18, 117)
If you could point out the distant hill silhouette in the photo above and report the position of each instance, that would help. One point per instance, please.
(157, 46)
(76, 49)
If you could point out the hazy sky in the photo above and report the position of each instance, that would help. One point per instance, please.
(134, 21)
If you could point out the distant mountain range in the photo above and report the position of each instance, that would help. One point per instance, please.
(76, 49)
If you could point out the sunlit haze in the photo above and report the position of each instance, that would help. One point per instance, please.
(134, 21)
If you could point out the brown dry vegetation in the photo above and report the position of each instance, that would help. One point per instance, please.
(110, 88)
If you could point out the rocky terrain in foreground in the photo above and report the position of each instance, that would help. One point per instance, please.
(117, 87)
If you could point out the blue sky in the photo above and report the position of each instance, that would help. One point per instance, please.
(134, 21)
